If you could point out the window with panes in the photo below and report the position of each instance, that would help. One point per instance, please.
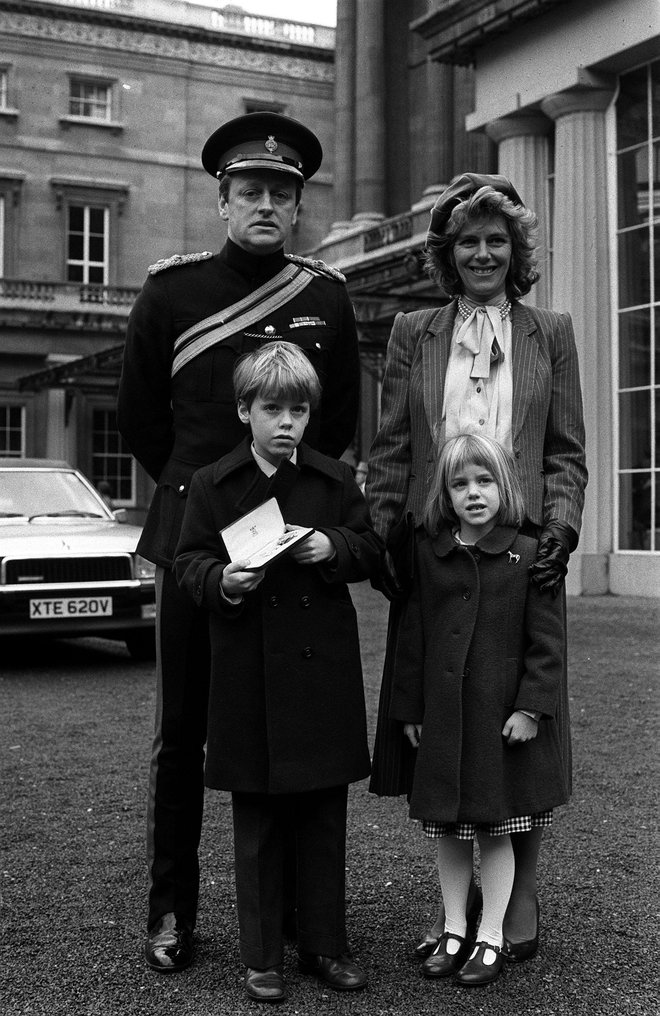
(87, 244)
(638, 308)
(92, 99)
(12, 431)
(111, 459)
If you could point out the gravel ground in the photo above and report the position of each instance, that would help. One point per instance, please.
(77, 721)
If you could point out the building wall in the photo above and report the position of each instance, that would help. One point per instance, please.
(177, 71)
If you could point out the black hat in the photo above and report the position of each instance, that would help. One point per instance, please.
(262, 141)
(463, 187)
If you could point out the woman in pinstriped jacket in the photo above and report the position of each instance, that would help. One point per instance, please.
(486, 364)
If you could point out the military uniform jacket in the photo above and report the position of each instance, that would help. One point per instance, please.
(174, 426)
(478, 641)
(286, 704)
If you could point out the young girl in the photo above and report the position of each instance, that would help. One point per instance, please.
(478, 665)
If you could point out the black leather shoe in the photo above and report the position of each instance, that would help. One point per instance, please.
(442, 963)
(265, 985)
(474, 907)
(338, 972)
(168, 948)
(518, 952)
(475, 971)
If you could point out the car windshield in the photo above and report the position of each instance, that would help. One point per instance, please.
(46, 493)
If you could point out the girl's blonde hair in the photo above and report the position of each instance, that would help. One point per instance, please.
(473, 449)
(276, 370)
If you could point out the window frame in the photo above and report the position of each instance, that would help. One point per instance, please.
(625, 476)
(107, 406)
(86, 263)
(9, 404)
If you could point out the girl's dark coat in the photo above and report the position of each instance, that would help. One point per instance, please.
(286, 708)
(478, 641)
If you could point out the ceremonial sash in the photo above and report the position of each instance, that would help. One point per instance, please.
(214, 329)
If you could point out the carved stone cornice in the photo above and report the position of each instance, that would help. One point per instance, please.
(197, 48)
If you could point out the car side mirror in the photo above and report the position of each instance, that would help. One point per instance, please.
(119, 514)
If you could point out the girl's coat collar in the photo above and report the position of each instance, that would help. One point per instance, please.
(498, 540)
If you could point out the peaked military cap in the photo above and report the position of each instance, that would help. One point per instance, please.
(463, 187)
(263, 141)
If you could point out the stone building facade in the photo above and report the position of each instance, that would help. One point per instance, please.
(104, 108)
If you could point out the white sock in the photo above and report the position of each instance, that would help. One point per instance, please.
(497, 871)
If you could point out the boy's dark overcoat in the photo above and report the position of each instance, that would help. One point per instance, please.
(478, 641)
(286, 709)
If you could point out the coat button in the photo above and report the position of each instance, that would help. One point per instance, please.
(305, 601)
(307, 653)
(273, 601)
(467, 593)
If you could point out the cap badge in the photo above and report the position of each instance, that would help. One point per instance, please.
(271, 144)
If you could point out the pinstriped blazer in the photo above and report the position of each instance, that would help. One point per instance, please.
(547, 424)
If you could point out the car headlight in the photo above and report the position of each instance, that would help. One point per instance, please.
(143, 570)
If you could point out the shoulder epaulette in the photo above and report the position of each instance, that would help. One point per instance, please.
(179, 259)
(317, 266)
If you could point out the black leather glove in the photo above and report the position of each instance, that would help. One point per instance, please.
(556, 542)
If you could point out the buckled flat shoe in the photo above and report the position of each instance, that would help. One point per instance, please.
(338, 972)
(518, 952)
(265, 985)
(168, 948)
(484, 966)
(474, 907)
(442, 963)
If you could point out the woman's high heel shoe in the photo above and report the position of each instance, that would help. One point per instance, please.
(518, 952)
(474, 907)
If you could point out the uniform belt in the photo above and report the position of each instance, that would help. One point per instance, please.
(214, 329)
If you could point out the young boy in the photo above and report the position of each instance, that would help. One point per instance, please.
(287, 727)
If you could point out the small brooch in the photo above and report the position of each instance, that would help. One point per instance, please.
(271, 145)
(513, 558)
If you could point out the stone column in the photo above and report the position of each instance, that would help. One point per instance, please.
(581, 285)
(438, 163)
(523, 157)
(370, 108)
(344, 153)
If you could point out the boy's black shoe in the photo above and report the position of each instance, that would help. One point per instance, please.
(265, 985)
(338, 972)
(168, 948)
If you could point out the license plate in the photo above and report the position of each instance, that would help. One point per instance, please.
(72, 606)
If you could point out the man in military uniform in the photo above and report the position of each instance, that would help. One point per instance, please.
(196, 314)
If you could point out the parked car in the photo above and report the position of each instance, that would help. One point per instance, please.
(68, 564)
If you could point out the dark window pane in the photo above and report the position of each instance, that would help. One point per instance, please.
(632, 178)
(75, 251)
(95, 248)
(632, 109)
(74, 273)
(95, 276)
(635, 430)
(634, 349)
(634, 268)
(657, 428)
(657, 345)
(655, 98)
(96, 220)
(76, 219)
(634, 510)
(655, 170)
